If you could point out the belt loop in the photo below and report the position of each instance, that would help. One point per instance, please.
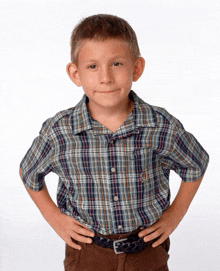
(121, 262)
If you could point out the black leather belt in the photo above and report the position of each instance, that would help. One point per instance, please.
(131, 244)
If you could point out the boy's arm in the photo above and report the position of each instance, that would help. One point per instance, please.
(65, 226)
(172, 216)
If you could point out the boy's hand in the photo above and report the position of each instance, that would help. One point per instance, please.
(172, 216)
(162, 228)
(67, 228)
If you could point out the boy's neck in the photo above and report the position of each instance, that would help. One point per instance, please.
(111, 118)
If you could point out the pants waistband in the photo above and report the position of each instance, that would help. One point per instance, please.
(120, 235)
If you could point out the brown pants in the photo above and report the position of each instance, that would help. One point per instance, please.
(95, 258)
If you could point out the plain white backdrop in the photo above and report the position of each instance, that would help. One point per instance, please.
(180, 41)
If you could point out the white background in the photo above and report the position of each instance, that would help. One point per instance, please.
(180, 42)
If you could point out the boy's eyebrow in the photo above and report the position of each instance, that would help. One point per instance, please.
(89, 60)
(119, 56)
(95, 60)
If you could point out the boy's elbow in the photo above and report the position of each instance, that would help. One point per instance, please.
(200, 179)
(20, 173)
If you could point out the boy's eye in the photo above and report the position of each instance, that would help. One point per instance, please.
(116, 64)
(92, 66)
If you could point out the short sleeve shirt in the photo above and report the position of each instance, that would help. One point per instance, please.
(113, 182)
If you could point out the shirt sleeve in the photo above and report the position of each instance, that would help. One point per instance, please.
(187, 158)
(36, 164)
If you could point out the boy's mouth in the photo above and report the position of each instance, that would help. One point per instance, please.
(110, 91)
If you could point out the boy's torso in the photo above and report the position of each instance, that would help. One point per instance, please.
(112, 182)
(107, 175)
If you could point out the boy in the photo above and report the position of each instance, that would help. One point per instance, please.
(113, 154)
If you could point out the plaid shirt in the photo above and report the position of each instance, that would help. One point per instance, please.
(113, 182)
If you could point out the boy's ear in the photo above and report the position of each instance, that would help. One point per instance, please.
(138, 68)
(73, 73)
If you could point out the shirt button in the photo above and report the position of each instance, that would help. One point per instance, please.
(111, 142)
(115, 198)
(131, 157)
(137, 131)
(120, 227)
(113, 169)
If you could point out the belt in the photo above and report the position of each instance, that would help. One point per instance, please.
(131, 244)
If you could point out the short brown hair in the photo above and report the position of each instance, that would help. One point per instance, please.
(103, 26)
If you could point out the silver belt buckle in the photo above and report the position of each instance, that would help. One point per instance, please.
(114, 245)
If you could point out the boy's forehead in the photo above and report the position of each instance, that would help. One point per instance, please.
(115, 46)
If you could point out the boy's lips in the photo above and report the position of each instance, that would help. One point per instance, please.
(109, 91)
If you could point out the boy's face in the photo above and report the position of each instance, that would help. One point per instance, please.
(106, 71)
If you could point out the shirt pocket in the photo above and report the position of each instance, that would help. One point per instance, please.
(149, 173)
(141, 160)
(155, 183)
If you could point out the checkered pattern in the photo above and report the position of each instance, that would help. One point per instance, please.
(113, 182)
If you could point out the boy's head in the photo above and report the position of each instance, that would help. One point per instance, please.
(103, 27)
(105, 61)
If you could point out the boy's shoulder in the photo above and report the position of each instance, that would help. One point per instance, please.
(161, 115)
(75, 118)
(60, 119)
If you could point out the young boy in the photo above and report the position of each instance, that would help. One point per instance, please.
(113, 154)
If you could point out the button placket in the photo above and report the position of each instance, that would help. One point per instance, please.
(111, 143)
(111, 146)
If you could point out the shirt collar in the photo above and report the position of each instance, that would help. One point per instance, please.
(143, 116)
(143, 113)
(81, 119)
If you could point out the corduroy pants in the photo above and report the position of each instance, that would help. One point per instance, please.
(95, 258)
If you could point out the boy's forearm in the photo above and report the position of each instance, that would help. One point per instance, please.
(65, 226)
(184, 197)
(172, 216)
(44, 202)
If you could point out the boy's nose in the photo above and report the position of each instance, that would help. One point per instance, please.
(105, 76)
